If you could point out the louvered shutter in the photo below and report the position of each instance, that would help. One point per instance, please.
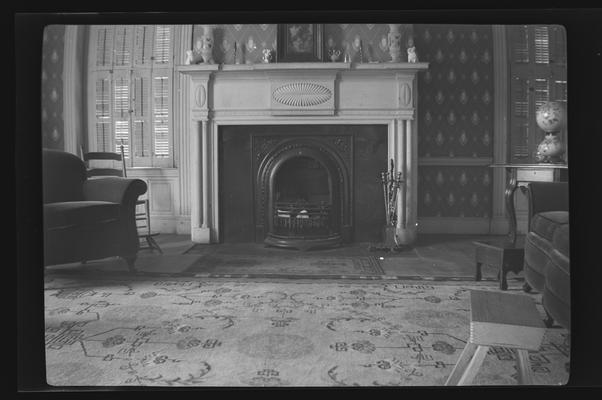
(161, 115)
(141, 121)
(122, 48)
(121, 110)
(143, 45)
(519, 135)
(131, 73)
(104, 46)
(162, 54)
(536, 77)
(102, 111)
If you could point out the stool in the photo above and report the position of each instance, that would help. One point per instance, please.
(503, 255)
(499, 319)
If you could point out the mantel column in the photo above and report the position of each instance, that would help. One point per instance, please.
(403, 149)
(200, 157)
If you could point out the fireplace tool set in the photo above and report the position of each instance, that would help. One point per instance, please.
(391, 183)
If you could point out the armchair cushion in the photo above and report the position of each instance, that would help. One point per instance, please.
(546, 223)
(74, 213)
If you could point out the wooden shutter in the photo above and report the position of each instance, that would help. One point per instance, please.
(102, 111)
(163, 48)
(131, 73)
(538, 73)
(123, 46)
(121, 110)
(104, 46)
(143, 45)
(141, 121)
(161, 116)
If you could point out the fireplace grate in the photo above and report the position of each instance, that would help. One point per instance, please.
(302, 218)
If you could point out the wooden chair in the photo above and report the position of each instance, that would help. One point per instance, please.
(145, 235)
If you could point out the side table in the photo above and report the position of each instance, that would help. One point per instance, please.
(508, 255)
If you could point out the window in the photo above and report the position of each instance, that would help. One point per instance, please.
(537, 57)
(131, 75)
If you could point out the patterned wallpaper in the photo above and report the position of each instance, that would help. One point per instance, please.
(455, 106)
(52, 86)
(454, 191)
(254, 38)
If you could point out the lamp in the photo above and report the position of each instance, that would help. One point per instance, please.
(550, 117)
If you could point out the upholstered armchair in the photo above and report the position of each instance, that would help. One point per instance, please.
(547, 245)
(87, 219)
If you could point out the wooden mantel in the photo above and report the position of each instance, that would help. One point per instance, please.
(296, 94)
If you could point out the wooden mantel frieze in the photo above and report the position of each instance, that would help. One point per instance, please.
(295, 94)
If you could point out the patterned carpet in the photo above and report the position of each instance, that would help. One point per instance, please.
(225, 332)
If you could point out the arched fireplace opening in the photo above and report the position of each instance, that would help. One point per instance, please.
(306, 189)
(303, 199)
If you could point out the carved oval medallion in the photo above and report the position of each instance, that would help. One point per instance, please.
(200, 96)
(302, 94)
(406, 95)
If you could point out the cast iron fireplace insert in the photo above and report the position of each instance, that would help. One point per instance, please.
(303, 191)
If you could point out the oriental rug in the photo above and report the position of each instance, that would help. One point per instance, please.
(231, 333)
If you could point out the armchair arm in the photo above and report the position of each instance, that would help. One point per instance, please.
(547, 196)
(114, 189)
(124, 191)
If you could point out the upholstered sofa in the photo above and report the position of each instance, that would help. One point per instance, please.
(547, 255)
(87, 219)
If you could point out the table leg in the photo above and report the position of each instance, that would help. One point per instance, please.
(524, 367)
(461, 364)
(474, 365)
(503, 281)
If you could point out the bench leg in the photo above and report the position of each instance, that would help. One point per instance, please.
(473, 366)
(524, 367)
(461, 364)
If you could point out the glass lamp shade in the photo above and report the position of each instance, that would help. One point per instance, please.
(550, 117)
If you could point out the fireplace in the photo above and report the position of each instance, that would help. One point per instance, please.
(303, 194)
(326, 206)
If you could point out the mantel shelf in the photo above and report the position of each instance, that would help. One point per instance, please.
(304, 66)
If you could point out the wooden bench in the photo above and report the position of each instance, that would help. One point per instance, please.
(504, 320)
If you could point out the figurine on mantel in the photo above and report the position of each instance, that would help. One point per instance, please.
(412, 57)
(203, 49)
(207, 44)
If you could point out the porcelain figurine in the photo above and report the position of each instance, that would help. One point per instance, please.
(412, 57)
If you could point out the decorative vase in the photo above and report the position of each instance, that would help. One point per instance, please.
(394, 42)
(207, 44)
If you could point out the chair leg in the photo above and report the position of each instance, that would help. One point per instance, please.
(153, 244)
(549, 321)
(131, 260)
